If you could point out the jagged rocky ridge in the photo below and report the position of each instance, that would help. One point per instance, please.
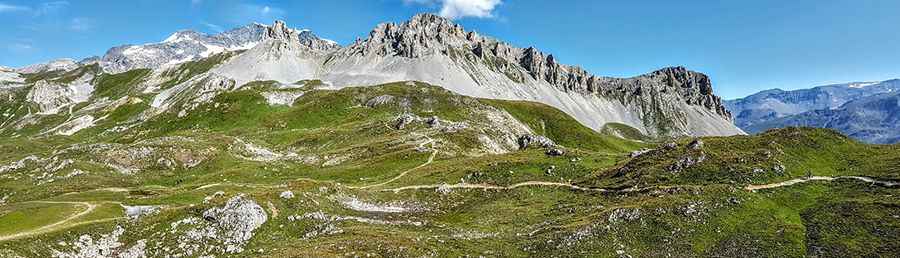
(669, 102)
(429, 48)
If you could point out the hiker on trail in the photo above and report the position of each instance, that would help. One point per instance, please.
(808, 174)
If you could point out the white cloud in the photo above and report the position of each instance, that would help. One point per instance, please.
(455, 9)
(13, 8)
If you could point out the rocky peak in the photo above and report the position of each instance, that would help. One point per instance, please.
(422, 35)
(183, 35)
(693, 87)
(280, 31)
(680, 76)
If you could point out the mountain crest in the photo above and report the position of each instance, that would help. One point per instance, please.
(188, 45)
(493, 66)
(423, 35)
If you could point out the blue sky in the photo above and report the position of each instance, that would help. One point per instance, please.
(745, 46)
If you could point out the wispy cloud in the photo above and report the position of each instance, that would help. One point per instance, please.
(39, 10)
(51, 8)
(81, 24)
(455, 9)
(213, 27)
(244, 13)
(20, 47)
(421, 2)
(13, 8)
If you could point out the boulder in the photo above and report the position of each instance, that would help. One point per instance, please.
(696, 144)
(635, 154)
(556, 152)
(405, 119)
(530, 140)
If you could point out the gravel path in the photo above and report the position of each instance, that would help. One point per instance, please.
(819, 178)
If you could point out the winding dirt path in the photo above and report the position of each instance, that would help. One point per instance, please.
(753, 188)
(89, 207)
(434, 152)
(496, 187)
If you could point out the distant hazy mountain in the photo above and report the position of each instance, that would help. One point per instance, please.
(864, 110)
(874, 119)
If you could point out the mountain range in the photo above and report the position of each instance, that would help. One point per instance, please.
(863, 110)
(669, 102)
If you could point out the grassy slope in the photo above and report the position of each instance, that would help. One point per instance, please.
(561, 128)
(759, 159)
(707, 215)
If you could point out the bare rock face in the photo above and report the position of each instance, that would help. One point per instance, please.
(51, 96)
(281, 31)
(423, 35)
